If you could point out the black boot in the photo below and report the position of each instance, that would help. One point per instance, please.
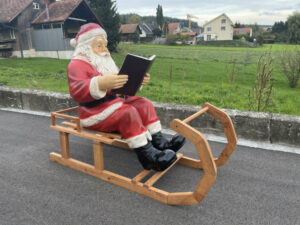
(151, 158)
(162, 143)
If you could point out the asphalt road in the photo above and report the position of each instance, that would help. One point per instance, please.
(254, 187)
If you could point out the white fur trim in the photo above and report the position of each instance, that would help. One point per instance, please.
(95, 92)
(149, 137)
(137, 141)
(154, 127)
(73, 42)
(90, 34)
(93, 120)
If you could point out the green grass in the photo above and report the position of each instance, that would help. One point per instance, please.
(199, 74)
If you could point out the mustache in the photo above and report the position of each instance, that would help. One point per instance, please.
(104, 54)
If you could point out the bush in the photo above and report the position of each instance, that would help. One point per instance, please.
(146, 39)
(260, 97)
(175, 39)
(290, 64)
(134, 37)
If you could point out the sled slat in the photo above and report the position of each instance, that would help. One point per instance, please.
(195, 115)
(109, 135)
(152, 180)
(140, 176)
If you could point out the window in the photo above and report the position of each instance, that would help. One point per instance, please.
(12, 34)
(208, 28)
(47, 26)
(223, 21)
(223, 28)
(209, 37)
(56, 25)
(36, 5)
(38, 27)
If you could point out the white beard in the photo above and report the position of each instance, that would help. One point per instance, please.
(102, 62)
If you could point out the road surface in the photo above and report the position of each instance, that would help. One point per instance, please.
(254, 187)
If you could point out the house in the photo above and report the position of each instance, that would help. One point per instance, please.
(192, 37)
(219, 28)
(266, 28)
(174, 28)
(244, 30)
(130, 32)
(15, 19)
(147, 30)
(42, 28)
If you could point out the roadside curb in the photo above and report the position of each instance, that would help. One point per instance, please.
(256, 126)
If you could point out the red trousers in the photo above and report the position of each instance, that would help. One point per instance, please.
(134, 120)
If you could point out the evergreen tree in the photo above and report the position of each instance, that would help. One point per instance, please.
(280, 30)
(106, 11)
(165, 28)
(294, 28)
(279, 27)
(159, 16)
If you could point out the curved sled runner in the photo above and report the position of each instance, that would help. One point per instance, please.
(205, 162)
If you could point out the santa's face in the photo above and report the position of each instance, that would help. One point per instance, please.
(95, 50)
(99, 45)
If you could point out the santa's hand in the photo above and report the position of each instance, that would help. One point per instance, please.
(146, 79)
(112, 81)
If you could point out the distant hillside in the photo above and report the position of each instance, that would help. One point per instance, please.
(152, 20)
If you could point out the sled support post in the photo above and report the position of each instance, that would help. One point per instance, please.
(98, 155)
(64, 144)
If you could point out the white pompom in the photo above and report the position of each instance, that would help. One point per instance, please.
(73, 42)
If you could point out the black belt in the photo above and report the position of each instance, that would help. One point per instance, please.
(96, 102)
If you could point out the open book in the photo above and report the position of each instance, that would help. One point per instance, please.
(136, 68)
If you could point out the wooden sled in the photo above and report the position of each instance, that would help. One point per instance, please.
(205, 162)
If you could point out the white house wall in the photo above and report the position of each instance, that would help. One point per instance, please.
(216, 31)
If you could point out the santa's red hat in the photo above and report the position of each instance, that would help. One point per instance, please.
(86, 32)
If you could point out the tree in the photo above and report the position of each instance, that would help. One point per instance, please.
(157, 32)
(106, 11)
(238, 25)
(279, 27)
(294, 28)
(134, 19)
(165, 28)
(159, 16)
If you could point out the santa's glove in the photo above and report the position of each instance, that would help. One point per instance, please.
(111, 81)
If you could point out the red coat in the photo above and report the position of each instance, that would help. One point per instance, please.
(83, 87)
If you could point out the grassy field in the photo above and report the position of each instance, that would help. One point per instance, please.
(180, 74)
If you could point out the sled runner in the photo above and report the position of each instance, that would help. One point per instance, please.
(206, 161)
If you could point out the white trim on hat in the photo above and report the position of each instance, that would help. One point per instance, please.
(90, 34)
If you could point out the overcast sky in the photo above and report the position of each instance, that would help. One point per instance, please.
(264, 12)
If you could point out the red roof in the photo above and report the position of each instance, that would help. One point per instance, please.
(189, 33)
(58, 11)
(172, 27)
(10, 9)
(244, 30)
(128, 28)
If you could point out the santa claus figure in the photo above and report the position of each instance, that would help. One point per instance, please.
(92, 73)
